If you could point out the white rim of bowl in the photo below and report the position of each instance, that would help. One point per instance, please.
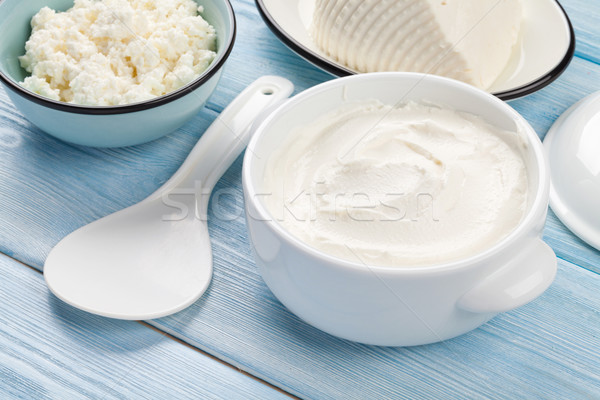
(538, 206)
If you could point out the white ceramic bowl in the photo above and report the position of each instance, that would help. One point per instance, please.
(397, 306)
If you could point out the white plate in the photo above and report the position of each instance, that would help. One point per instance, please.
(546, 46)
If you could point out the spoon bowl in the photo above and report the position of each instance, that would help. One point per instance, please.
(154, 258)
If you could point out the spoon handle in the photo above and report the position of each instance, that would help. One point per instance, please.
(227, 136)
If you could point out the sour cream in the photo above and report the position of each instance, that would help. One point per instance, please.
(406, 186)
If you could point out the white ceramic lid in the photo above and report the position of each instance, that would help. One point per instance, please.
(573, 149)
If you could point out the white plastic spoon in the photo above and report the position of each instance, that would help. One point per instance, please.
(154, 258)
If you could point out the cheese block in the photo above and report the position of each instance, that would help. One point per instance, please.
(468, 40)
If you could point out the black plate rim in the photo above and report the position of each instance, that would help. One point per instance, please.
(340, 71)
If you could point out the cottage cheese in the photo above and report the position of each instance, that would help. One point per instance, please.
(468, 40)
(404, 187)
(113, 52)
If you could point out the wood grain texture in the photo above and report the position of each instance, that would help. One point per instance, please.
(584, 16)
(51, 350)
(548, 349)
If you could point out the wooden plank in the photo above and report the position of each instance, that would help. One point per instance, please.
(584, 16)
(547, 349)
(51, 350)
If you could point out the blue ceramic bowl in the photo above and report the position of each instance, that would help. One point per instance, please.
(112, 126)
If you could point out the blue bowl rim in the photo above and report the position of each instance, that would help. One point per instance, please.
(215, 66)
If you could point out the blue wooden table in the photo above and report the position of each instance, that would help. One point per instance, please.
(238, 341)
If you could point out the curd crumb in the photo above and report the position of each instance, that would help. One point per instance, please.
(115, 52)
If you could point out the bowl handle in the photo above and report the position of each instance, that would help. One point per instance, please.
(516, 284)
